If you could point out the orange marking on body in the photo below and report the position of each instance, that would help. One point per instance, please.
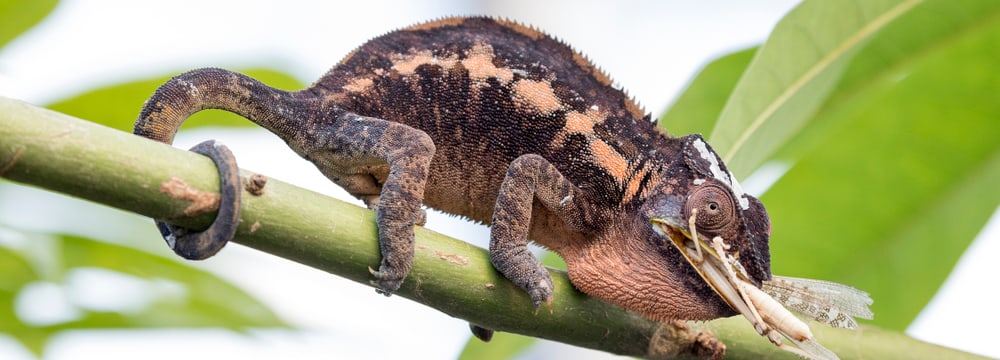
(359, 85)
(583, 123)
(406, 65)
(632, 188)
(479, 63)
(538, 95)
(609, 159)
(580, 123)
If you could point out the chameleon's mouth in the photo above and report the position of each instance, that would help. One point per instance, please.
(727, 277)
(721, 271)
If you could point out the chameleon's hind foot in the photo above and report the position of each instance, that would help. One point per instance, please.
(481, 333)
(198, 245)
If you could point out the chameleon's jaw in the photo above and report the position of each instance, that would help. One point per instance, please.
(705, 258)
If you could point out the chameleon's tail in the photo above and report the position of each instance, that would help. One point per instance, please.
(212, 88)
(202, 89)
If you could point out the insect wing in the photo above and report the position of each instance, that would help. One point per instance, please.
(828, 302)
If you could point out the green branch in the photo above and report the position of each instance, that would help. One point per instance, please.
(64, 154)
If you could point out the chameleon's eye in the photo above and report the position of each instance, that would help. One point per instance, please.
(716, 208)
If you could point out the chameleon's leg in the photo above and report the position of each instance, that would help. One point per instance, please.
(353, 152)
(528, 178)
(197, 245)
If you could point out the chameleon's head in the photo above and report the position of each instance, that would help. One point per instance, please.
(706, 212)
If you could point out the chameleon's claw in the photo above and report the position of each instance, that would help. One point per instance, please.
(198, 245)
(385, 283)
(541, 293)
(421, 218)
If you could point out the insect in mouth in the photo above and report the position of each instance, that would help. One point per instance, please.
(766, 308)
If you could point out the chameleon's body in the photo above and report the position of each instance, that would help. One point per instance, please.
(502, 124)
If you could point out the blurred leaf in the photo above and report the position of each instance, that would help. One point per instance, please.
(891, 196)
(118, 105)
(17, 16)
(200, 299)
(551, 259)
(17, 272)
(16, 269)
(210, 301)
(504, 346)
(699, 106)
(793, 73)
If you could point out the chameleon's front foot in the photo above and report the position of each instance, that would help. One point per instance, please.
(396, 243)
(198, 245)
(540, 290)
(521, 268)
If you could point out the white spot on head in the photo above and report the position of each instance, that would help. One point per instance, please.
(712, 161)
(738, 190)
(725, 177)
(595, 107)
(699, 181)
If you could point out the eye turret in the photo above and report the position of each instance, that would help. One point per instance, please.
(716, 210)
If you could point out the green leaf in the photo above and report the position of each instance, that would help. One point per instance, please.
(699, 106)
(16, 273)
(17, 16)
(210, 301)
(194, 298)
(888, 199)
(793, 73)
(16, 269)
(890, 55)
(117, 106)
(552, 260)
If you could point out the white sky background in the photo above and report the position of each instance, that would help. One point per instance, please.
(651, 48)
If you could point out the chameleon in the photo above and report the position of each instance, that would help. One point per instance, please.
(504, 125)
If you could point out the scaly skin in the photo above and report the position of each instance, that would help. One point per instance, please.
(504, 125)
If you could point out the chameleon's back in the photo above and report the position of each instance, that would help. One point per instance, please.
(488, 91)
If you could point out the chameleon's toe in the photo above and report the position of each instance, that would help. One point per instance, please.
(386, 280)
(541, 292)
(421, 218)
(197, 245)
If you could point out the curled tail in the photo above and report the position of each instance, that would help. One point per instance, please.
(212, 88)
